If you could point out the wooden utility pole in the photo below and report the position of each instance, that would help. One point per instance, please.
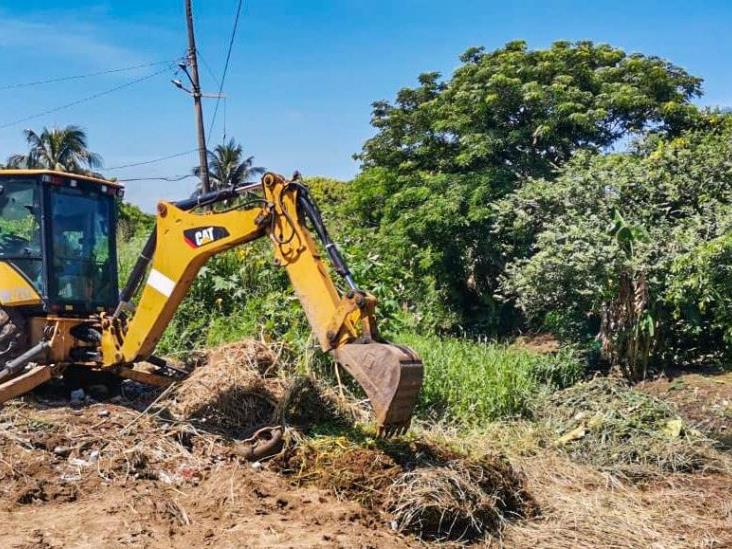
(193, 62)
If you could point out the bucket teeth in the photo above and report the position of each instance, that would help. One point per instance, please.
(391, 376)
(393, 430)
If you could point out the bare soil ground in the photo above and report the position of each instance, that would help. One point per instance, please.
(108, 475)
(138, 497)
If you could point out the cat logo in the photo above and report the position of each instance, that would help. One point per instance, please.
(198, 237)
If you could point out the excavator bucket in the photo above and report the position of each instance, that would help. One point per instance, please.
(391, 375)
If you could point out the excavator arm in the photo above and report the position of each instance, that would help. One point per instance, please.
(344, 324)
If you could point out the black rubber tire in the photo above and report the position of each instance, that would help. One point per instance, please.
(13, 336)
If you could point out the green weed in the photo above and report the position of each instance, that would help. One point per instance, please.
(471, 383)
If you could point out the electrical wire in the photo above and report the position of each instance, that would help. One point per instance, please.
(172, 178)
(226, 65)
(207, 66)
(81, 76)
(154, 161)
(83, 100)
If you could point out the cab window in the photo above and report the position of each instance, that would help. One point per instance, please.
(20, 214)
(82, 264)
(20, 227)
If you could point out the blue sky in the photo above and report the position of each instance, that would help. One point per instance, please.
(303, 73)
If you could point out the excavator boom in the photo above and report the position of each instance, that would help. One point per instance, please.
(343, 322)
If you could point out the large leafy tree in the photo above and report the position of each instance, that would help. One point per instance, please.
(228, 166)
(63, 149)
(446, 150)
(528, 110)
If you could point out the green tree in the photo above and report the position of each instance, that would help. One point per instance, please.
(527, 111)
(447, 150)
(227, 166)
(63, 149)
(574, 258)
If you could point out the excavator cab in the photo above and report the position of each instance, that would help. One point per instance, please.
(57, 243)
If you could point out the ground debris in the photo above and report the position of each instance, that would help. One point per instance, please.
(607, 423)
(461, 499)
(430, 492)
(228, 394)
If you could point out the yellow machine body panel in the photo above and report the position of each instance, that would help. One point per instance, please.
(187, 240)
(15, 290)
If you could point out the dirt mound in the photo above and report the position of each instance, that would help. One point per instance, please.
(338, 464)
(425, 491)
(607, 423)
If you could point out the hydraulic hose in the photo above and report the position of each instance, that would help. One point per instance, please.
(313, 213)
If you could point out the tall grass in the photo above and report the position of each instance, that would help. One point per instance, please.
(471, 383)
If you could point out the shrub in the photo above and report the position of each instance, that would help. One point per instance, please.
(569, 262)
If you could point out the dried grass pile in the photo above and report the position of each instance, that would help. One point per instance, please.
(307, 402)
(428, 492)
(606, 423)
(234, 393)
(458, 500)
(347, 468)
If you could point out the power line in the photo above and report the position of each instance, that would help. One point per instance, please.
(176, 155)
(226, 65)
(209, 70)
(83, 100)
(80, 76)
(172, 178)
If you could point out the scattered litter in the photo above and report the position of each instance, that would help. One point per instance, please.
(62, 451)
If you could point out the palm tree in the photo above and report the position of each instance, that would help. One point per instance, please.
(227, 166)
(61, 149)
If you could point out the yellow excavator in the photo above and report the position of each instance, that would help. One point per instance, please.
(60, 307)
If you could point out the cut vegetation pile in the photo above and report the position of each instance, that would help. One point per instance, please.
(234, 393)
(432, 493)
(459, 499)
(606, 423)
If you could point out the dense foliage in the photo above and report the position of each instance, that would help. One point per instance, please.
(525, 111)
(490, 202)
(445, 151)
(676, 195)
